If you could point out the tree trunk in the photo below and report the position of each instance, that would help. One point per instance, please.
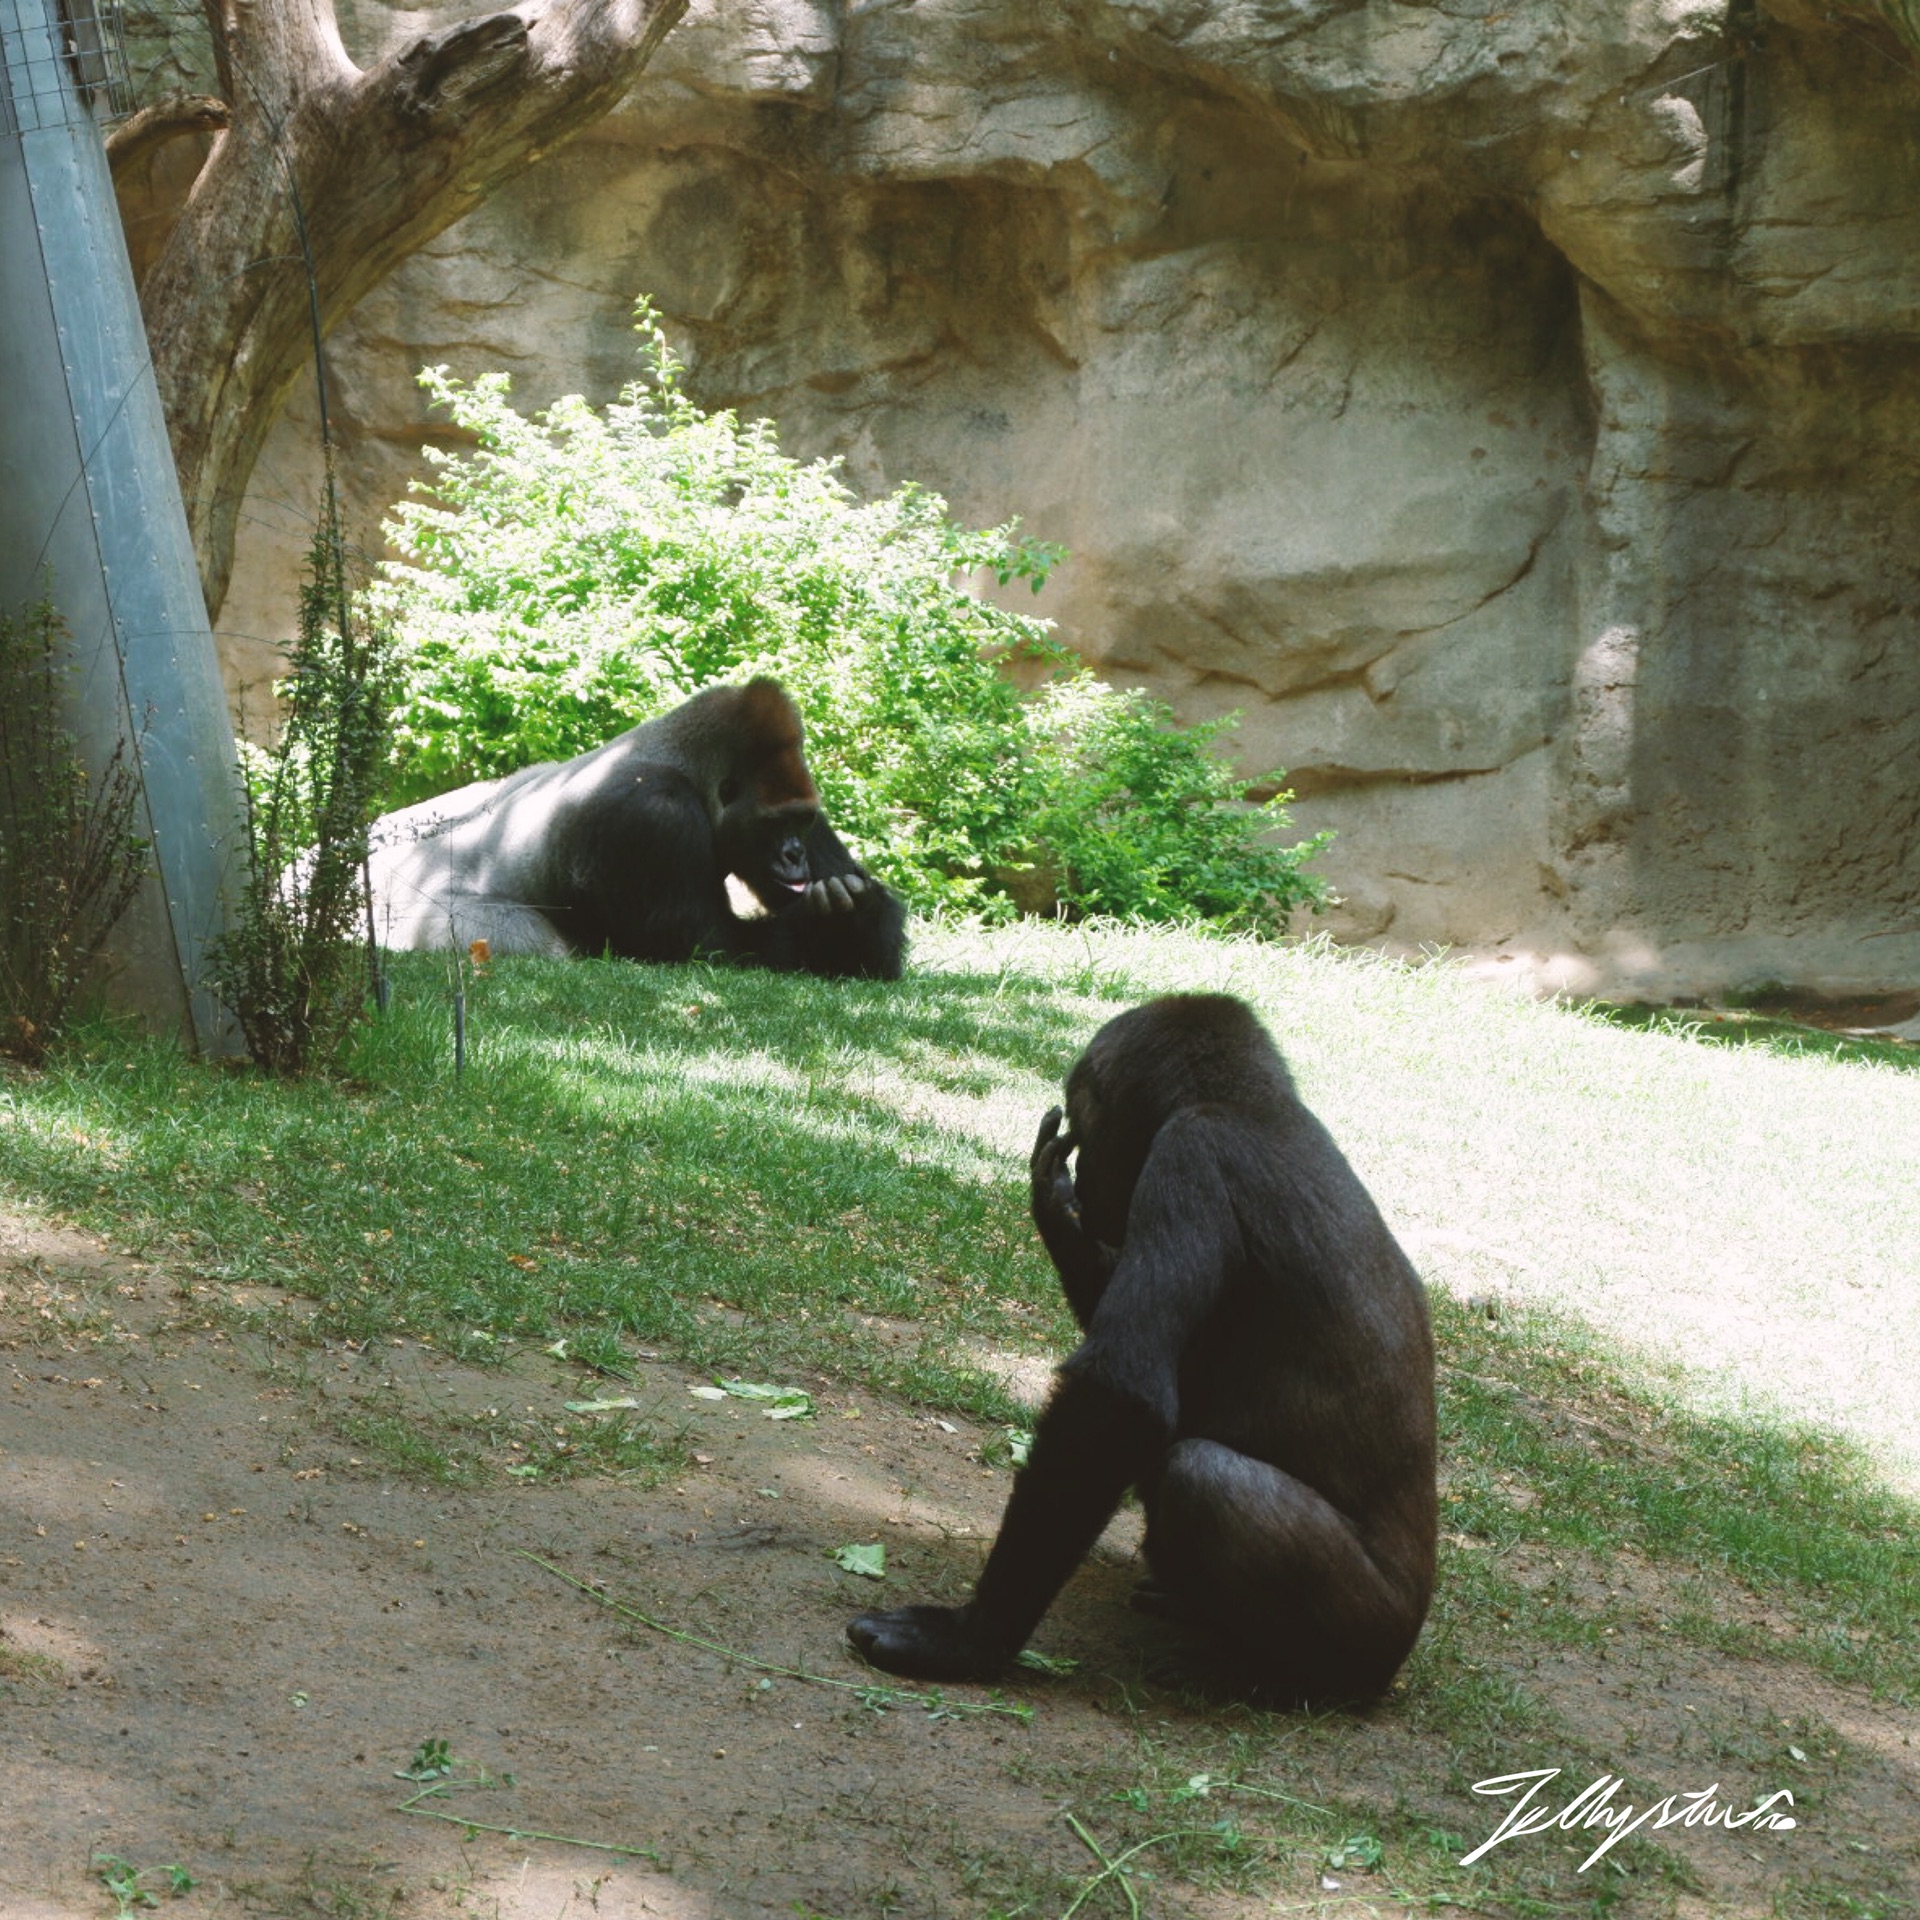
(324, 179)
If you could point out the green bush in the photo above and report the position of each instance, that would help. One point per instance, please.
(1141, 820)
(293, 969)
(580, 570)
(70, 858)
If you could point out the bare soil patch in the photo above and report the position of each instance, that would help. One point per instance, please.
(224, 1628)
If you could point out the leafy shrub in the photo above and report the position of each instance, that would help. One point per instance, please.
(1139, 819)
(293, 967)
(70, 860)
(579, 570)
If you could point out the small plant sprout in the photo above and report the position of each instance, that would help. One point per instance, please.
(1119, 1868)
(433, 1769)
(1357, 1853)
(432, 1760)
(127, 1883)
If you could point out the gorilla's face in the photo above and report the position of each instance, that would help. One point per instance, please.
(767, 848)
(1106, 1164)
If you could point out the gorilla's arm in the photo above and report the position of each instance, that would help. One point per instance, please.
(630, 870)
(1088, 1448)
(1107, 1426)
(848, 927)
(1083, 1264)
(1169, 1277)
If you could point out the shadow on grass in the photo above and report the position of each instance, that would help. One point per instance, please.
(1550, 1444)
(747, 1165)
(1770, 1031)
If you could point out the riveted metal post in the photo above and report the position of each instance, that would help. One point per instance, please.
(90, 509)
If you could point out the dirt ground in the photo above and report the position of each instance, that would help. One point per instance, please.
(223, 1631)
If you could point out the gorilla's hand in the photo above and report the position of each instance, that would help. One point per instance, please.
(1083, 1264)
(928, 1643)
(1055, 1209)
(841, 894)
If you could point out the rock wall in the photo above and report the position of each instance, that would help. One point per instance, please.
(1511, 410)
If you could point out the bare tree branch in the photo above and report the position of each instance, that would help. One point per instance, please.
(169, 119)
(348, 172)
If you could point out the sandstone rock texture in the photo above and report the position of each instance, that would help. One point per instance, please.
(1512, 407)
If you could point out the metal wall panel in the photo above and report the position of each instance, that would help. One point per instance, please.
(90, 509)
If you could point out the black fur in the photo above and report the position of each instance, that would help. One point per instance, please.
(627, 850)
(1257, 1363)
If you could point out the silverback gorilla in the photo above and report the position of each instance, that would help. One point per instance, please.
(1257, 1363)
(627, 849)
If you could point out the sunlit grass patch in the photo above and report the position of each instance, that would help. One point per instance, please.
(469, 1449)
(21, 1664)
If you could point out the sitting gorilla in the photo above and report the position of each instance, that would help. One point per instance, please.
(628, 849)
(1257, 1363)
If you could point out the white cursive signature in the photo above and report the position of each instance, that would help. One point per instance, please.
(1593, 1806)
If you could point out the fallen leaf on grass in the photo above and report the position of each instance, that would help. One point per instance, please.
(787, 1403)
(1056, 1663)
(871, 1561)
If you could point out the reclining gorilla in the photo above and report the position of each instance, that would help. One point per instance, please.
(1257, 1363)
(627, 850)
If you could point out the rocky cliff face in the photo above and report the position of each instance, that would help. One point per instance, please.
(1509, 406)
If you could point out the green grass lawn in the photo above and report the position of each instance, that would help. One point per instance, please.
(1701, 1257)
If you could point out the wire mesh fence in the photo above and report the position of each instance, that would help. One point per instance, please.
(64, 60)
